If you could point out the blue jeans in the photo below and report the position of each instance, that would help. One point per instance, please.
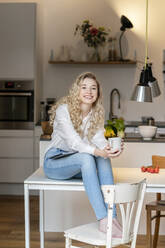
(94, 171)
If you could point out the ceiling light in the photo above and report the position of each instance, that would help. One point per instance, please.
(148, 86)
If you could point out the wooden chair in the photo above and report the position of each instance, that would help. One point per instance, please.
(155, 206)
(129, 197)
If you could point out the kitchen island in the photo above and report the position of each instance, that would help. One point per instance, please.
(73, 208)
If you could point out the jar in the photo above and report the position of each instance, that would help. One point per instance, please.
(42, 111)
(49, 103)
(112, 49)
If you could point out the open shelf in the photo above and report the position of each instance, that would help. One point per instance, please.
(115, 62)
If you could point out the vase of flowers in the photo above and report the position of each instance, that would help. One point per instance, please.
(96, 55)
(93, 37)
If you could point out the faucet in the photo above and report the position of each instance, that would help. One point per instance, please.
(111, 114)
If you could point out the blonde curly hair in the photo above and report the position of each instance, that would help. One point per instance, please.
(73, 102)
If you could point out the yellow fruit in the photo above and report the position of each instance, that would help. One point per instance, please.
(112, 133)
(109, 133)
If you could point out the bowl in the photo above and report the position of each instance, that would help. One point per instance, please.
(147, 132)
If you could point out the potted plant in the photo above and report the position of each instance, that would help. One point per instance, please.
(114, 128)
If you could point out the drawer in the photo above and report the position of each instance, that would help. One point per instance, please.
(15, 170)
(16, 147)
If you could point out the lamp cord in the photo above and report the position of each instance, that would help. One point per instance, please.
(146, 42)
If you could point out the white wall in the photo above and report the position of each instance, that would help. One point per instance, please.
(56, 20)
(60, 18)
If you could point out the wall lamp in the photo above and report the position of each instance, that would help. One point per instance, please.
(125, 25)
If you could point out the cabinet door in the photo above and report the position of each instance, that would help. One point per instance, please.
(15, 170)
(15, 147)
(17, 42)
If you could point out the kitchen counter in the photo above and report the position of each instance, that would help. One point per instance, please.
(45, 137)
(127, 139)
(139, 139)
(129, 123)
(139, 123)
(132, 133)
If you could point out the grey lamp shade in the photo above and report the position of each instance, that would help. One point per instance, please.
(152, 82)
(155, 90)
(142, 93)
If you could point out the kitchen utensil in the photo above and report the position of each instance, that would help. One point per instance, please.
(147, 132)
(46, 128)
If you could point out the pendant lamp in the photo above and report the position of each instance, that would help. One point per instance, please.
(142, 91)
(147, 86)
(153, 83)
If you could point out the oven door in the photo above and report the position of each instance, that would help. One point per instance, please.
(16, 108)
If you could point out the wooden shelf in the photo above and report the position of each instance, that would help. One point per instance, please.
(115, 62)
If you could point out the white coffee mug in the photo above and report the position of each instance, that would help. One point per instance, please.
(115, 144)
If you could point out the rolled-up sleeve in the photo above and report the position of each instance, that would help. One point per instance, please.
(69, 134)
(99, 139)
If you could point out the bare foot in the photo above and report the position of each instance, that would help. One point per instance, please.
(116, 227)
(103, 225)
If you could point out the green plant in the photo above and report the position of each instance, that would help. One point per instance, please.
(115, 128)
(93, 36)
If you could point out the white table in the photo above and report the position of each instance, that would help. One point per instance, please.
(38, 181)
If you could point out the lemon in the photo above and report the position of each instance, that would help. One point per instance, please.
(109, 133)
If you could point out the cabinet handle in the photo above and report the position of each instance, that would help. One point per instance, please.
(15, 94)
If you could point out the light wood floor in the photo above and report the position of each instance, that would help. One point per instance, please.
(12, 226)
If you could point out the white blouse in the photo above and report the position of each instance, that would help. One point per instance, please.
(65, 137)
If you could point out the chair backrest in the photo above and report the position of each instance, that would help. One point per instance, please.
(158, 161)
(129, 197)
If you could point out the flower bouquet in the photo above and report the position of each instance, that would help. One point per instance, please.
(93, 37)
(114, 128)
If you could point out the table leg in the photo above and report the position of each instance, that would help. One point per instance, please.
(27, 216)
(41, 218)
(156, 233)
(149, 229)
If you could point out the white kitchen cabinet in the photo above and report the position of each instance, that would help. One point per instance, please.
(37, 134)
(16, 147)
(17, 42)
(15, 170)
(16, 155)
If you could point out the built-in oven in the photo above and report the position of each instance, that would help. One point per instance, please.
(16, 105)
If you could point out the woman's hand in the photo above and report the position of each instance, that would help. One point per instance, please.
(107, 152)
(101, 153)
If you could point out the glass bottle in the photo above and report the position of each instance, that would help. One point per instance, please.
(42, 111)
(112, 49)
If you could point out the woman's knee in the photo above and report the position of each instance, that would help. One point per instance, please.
(87, 161)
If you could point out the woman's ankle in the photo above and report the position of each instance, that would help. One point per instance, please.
(103, 224)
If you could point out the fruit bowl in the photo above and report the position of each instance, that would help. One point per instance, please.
(147, 132)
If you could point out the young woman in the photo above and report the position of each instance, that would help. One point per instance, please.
(78, 126)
